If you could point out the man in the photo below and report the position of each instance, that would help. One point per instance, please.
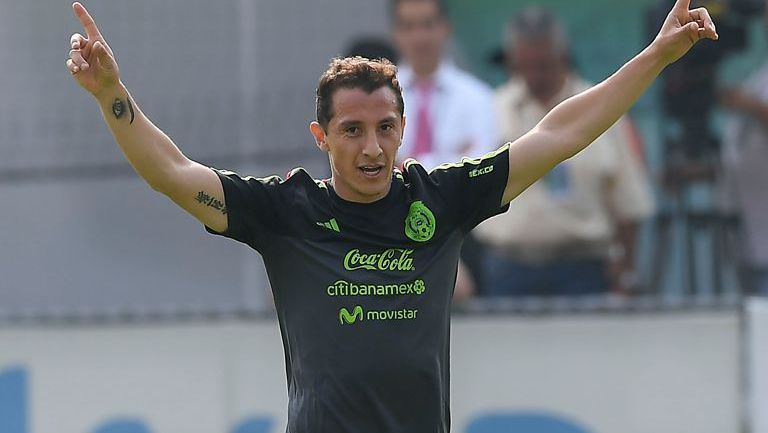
(362, 265)
(449, 110)
(557, 237)
(745, 158)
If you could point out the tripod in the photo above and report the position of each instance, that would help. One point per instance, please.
(709, 240)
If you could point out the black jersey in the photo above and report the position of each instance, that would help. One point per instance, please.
(363, 291)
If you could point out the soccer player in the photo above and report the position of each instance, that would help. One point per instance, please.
(362, 265)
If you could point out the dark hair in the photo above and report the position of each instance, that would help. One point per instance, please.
(355, 73)
(442, 7)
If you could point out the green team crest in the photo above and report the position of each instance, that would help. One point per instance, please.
(420, 222)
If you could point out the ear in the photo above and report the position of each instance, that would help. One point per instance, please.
(318, 132)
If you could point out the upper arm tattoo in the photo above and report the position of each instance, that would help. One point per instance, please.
(204, 198)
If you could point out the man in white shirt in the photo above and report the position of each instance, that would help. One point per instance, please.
(449, 110)
(556, 238)
(745, 158)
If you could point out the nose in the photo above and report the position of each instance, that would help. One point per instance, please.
(371, 146)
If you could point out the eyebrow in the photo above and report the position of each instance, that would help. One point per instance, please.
(347, 123)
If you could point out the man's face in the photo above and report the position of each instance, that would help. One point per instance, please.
(362, 139)
(542, 66)
(420, 33)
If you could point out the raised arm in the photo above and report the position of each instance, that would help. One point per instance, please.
(193, 186)
(578, 121)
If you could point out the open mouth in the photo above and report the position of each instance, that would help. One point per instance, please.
(371, 170)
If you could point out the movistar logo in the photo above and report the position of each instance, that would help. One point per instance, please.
(346, 317)
(330, 225)
(393, 259)
(480, 171)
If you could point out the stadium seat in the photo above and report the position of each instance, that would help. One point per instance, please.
(522, 422)
(13, 400)
(123, 426)
(255, 425)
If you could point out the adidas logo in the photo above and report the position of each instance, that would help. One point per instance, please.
(330, 225)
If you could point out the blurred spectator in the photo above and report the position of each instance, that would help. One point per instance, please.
(745, 163)
(573, 231)
(372, 47)
(449, 112)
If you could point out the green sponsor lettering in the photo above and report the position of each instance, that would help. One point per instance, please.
(404, 314)
(346, 288)
(393, 259)
(346, 317)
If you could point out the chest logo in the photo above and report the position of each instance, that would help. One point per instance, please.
(420, 223)
(330, 225)
(349, 318)
(393, 259)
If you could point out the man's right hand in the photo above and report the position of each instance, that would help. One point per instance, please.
(91, 61)
(155, 157)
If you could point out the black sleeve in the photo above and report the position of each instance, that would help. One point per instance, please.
(474, 187)
(252, 207)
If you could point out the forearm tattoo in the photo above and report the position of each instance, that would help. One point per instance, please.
(119, 108)
(203, 198)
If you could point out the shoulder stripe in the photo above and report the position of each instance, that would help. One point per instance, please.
(409, 162)
(473, 161)
(259, 179)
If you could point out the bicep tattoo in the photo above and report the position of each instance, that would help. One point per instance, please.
(203, 198)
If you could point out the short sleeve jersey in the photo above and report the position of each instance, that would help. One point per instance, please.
(363, 291)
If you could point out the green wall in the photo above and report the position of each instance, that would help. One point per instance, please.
(604, 33)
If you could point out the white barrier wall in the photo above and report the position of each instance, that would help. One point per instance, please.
(758, 363)
(629, 374)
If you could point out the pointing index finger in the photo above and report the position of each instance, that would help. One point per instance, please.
(683, 4)
(87, 21)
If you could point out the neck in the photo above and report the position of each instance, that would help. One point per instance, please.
(425, 72)
(347, 193)
(551, 97)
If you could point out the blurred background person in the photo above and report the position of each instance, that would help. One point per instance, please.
(745, 158)
(372, 47)
(450, 112)
(572, 232)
